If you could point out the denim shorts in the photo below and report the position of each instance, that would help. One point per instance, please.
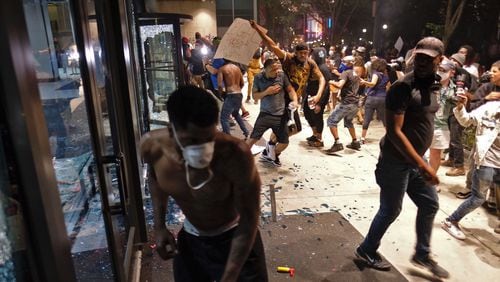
(343, 111)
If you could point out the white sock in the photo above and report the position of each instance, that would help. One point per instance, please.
(271, 151)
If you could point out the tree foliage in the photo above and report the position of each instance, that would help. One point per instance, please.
(282, 14)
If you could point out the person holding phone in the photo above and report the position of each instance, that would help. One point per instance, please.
(486, 168)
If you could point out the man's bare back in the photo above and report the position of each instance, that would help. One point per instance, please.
(232, 77)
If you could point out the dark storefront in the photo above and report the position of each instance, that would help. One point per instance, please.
(74, 85)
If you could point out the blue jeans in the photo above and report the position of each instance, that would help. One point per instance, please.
(373, 104)
(482, 178)
(231, 106)
(395, 178)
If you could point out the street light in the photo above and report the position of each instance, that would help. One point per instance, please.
(364, 30)
(384, 26)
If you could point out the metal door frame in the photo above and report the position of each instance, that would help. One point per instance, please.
(113, 27)
(48, 243)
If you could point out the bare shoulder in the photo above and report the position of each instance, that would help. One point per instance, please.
(233, 152)
(151, 144)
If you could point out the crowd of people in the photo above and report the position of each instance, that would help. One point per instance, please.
(424, 100)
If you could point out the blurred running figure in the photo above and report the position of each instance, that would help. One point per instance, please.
(375, 100)
(300, 69)
(270, 86)
(347, 108)
(313, 112)
(254, 67)
(230, 76)
(410, 107)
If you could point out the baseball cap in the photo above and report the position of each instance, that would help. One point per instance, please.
(361, 49)
(447, 65)
(460, 58)
(348, 59)
(301, 46)
(429, 46)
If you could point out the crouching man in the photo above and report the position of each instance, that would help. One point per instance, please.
(212, 177)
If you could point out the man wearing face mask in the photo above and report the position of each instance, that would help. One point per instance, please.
(410, 107)
(194, 164)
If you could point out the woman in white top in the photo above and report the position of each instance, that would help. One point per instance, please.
(469, 54)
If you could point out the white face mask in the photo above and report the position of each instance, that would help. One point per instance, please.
(197, 156)
(444, 75)
(330, 53)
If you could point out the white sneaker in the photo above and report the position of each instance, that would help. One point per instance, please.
(271, 151)
(453, 229)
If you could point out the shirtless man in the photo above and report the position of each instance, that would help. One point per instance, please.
(195, 164)
(231, 77)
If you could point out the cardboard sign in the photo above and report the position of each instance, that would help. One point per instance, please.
(239, 43)
(399, 44)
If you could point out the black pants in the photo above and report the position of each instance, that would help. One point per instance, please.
(315, 120)
(456, 147)
(204, 258)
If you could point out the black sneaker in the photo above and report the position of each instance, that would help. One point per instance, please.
(374, 261)
(431, 265)
(335, 148)
(311, 138)
(354, 145)
(316, 143)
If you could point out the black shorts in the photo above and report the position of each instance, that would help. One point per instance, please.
(278, 125)
(203, 258)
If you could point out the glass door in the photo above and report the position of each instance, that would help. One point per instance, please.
(158, 47)
(91, 155)
(65, 103)
(162, 69)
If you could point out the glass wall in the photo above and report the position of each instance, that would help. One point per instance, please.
(13, 262)
(56, 59)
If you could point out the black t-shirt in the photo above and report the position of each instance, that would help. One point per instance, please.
(481, 92)
(197, 61)
(349, 92)
(417, 100)
(313, 85)
(469, 81)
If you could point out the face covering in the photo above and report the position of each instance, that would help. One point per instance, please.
(330, 53)
(444, 75)
(196, 156)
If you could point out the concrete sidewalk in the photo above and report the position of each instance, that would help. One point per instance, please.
(311, 181)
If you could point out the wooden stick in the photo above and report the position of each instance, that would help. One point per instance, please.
(273, 202)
